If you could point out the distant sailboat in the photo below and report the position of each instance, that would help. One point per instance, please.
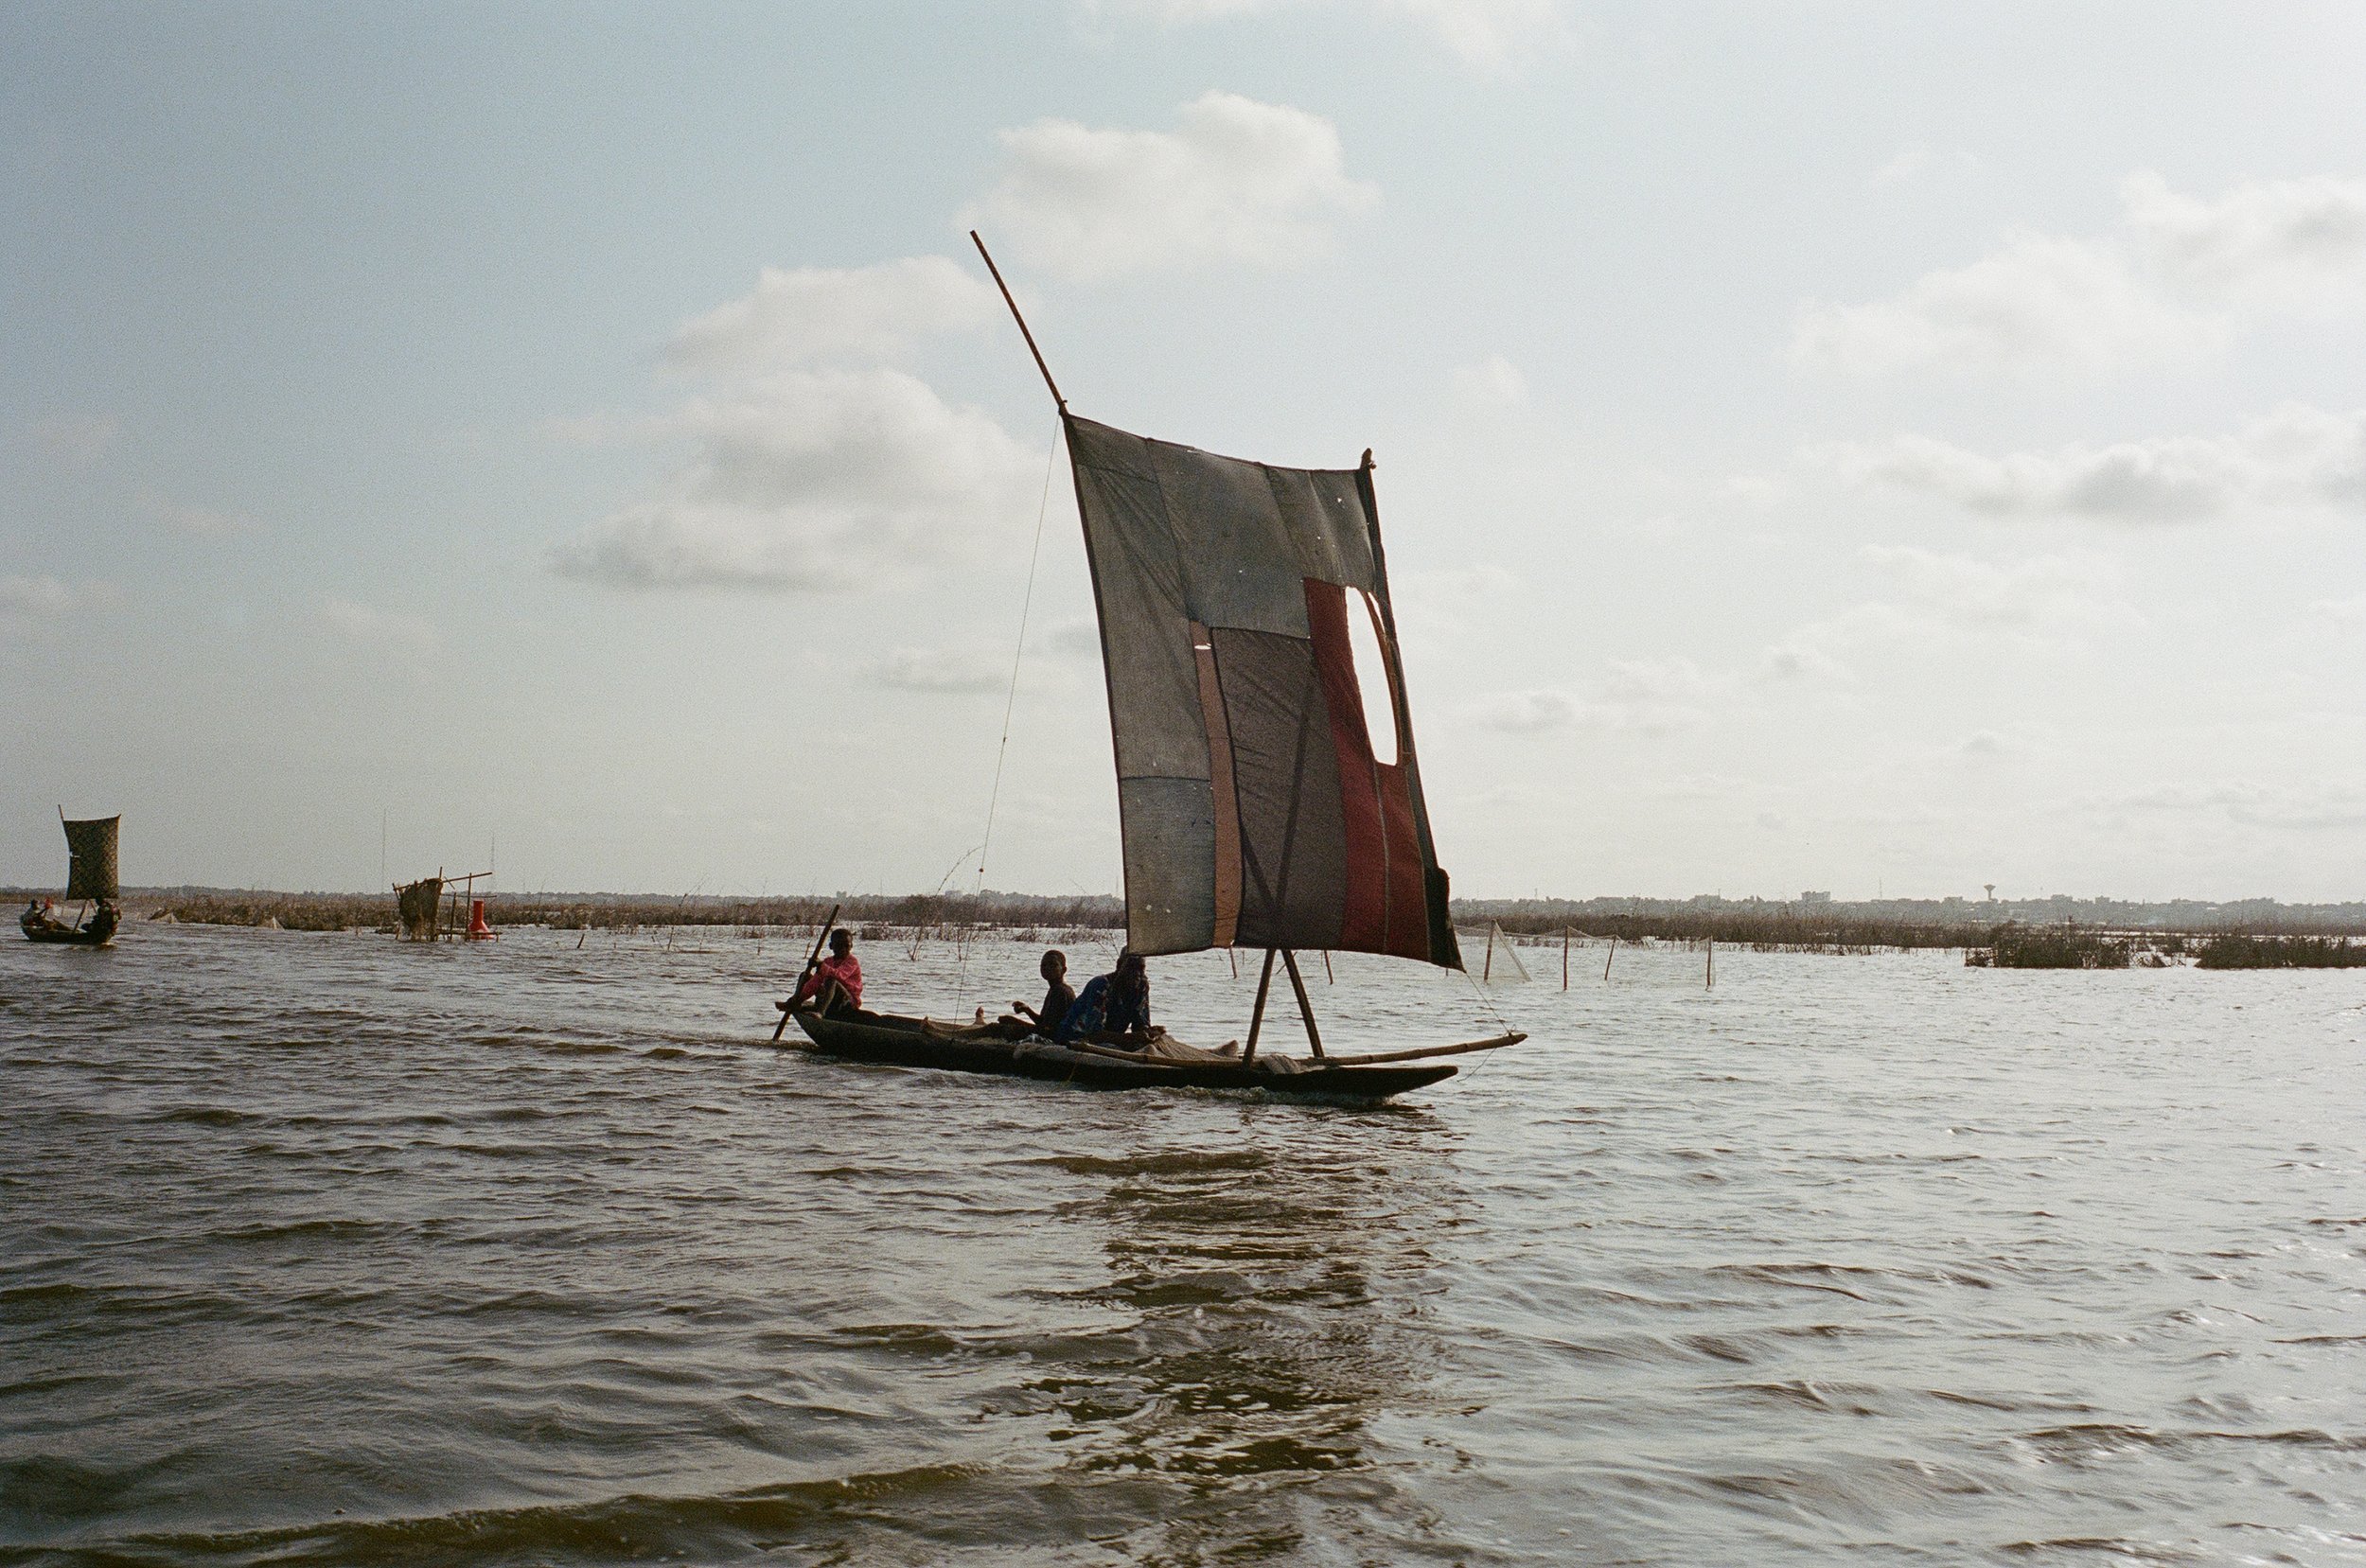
(1257, 807)
(91, 875)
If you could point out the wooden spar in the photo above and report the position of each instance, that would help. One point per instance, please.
(1486, 966)
(1257, 1014)
(1496, 1044)
(811, 959)
(1306, 1009)
(1607, 957)
(1330, 976)
(1565, 958)
(1708, 982)
(1021, 320)
(1140, 1059)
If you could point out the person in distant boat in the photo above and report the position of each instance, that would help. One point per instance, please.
(834, 985)
(1058, 997)
(1113, 1009)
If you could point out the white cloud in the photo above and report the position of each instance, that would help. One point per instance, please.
(2283, 245)
(1933, 598)
(74, 441)
(1655, 680)
(1237, 182)
(27, 600)
(1533, 709)
(203, 522)
(2295, 806)
(2178, 276)
(1437, 605)
(941, 670)
(812, 480)
(2039, 302)
(807, 313)
(1184, 12)
(2041, 593)
(383, 631)
(2297, 456)
(2348, 613)
(1641, 697)
(1494, 383)
(1495, 35)
(26, 603)
(1914, 162)
(1909, 161)
(1756, 490)
(1079, 637)
(1804, 657)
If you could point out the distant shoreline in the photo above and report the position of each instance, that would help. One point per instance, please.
(1811, 924)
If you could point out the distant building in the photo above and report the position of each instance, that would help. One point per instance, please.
(1815, 898)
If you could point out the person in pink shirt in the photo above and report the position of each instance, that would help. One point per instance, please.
(836, 983)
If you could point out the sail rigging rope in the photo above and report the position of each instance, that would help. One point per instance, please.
(1010, 703)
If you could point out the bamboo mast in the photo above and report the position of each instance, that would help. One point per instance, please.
(1257, 1014)
(1306, 1009)
(1021, 320)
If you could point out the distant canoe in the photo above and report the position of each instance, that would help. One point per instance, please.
(91, 875)
(96, 932)
(891, 1039)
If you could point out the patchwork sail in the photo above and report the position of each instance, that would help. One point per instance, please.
(91, 848)
(1258, 807)
(416, 903)
(1268, 789)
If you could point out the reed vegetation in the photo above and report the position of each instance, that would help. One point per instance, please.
(2238, 952)
(872, 916)
(1779, 929)
(2051, 947)
(1084, 921)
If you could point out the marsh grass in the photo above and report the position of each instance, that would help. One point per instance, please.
(2052, 947)
(2243, 951)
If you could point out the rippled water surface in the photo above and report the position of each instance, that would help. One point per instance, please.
(324, 1249)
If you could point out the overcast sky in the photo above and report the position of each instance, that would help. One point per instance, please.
(1871, 447)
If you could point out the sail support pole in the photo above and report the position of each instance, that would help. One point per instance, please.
(1498, 1043)
(1021, 320)
(1257, 1014)
(1306, 1009)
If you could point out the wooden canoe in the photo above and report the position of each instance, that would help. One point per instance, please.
(886, 1038)
(98, 932)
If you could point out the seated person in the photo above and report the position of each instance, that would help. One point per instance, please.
(834, 985)
(1113, 1009)
(1058, 997)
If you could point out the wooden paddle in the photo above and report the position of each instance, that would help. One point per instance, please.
(813, 961)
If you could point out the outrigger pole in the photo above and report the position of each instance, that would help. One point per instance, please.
(1021, 320)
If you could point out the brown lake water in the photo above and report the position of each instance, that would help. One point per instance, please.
(324, 1249)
